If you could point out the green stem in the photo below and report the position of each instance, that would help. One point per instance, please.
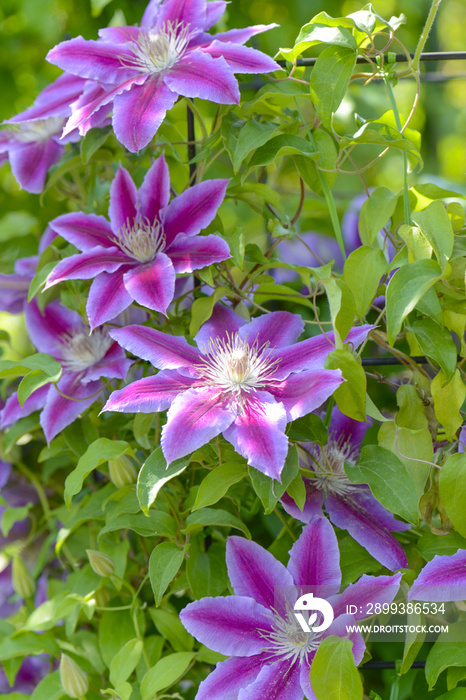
(326, 189)
(425, 33)
(394, 106)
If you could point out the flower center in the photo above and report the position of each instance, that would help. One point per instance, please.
(141, 240)
(236, 367)
(288, 640)
(81, 351)
(37, 130)
(158, 49)
(329, 466)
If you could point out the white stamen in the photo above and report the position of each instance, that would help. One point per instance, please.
(328, 463)
(158, 49)
(235, 367)
(37, 130)
(141, 240)
(81, 351)
(288, 640)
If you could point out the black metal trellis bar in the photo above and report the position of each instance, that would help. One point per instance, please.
(380, 665)
(380, 361)
(399, 57)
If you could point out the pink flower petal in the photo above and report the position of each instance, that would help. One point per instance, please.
(152, 284)
(223, 323)
(149, 395)
(242, 59)
(192, 253)
(12, 412)
(54, 100)
(277, 681)
(214, 12)
(194, 209)
(315, 558)
(107, 297)
(113, 365)
(123, 197)
(312, 505)
(163, 350)
(225, 682)
(442, 579)
(59, 412)
(154, 193)
(305, 391)
(138, 113)
(369, 589)
(279, 329)
(192, 12)
(47, 328)
(97, 60)
(258, 433)
(30, 163)
(199, 75)
(85, 266)
(194, 418)
(84, 231)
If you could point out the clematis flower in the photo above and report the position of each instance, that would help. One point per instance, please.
(442, 579)
(84, 358)
(32, 140)
(148, 240)
(245, 380)
(14, 288)
(143, 70)
(270, 654)
(349, 506)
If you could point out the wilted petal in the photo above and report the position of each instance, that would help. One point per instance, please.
(46, 328)
(192, 12)
(154, 193)
(315, 557)
(30, 163)
(442, 579)
(229, 625)
(163, 350)
(358, 513)
(107, 297)
(279, 328)
(97, 60)
(59, 412)
(193, 209)
(194, 418)
(242, 59)
(369, 589)
(153, 284)
(85, 231)
(311, 353)
(85, 266)
(305, 391)
(254, 572)
(123, 197)
(225, 682)
(12, 412)
(258, 434)
(188, 253)
(149, 395)
(312, 505)
(138, 113)
(199, 75)
(277, 681)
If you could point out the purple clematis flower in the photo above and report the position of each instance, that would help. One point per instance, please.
(15, 287)
(245, 380)
(270, 655)
(84, 358)
(350, 506)
(442, 579)
(147, 242)
(143, 70)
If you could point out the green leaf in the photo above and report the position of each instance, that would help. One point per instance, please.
(376, 212)
(355, 561)
(28, 644)
(454, 676)
(217, 482)
(389, 480)
(380, 134)
(39, 279)
(13, 515)
(314, 33)
(405, 289)
(99, 451)
(96, 8)
(362, 273)
(95, 138)
(409, 446)
(309, 428)
(142, 425)
(156, 523)
(329, 80)
(436, 343)
(169, 626)
(282, 145)
(334, 675)
(17, 223)
(457, 693)
(327, 160)
(165, 673)
(448, 650)
(272, 291)
(412, 413)
(164, 563)
(430, 544)
(270, 490)
(39, 369)
(342, 308)
(114, 629)
(214, 517)
(448, 398)
(452, 487)
(251, 136)
(436, 227)
(49, 688)
(154, 474)
(206, 570)
(125, 661)
(203, 307)
(351, 395)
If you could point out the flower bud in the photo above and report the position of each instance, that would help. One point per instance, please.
(21, 579)
(73, 679)
(101, 563)
(122, 471)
